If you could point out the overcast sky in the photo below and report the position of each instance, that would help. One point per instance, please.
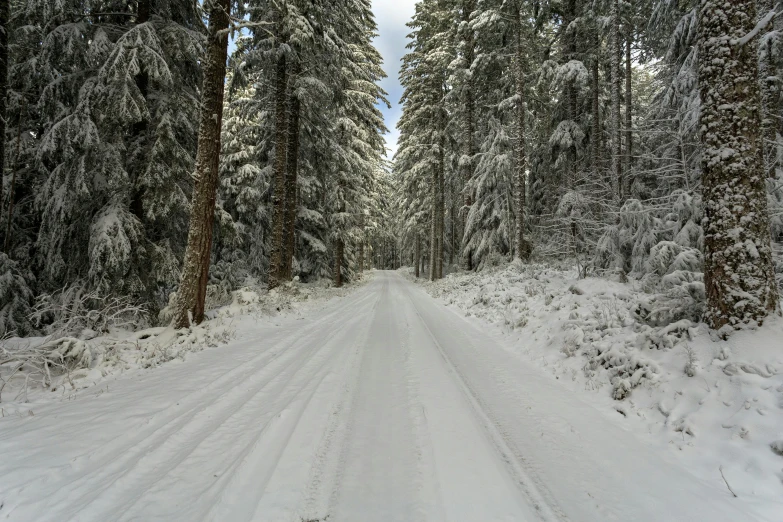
(392, 15)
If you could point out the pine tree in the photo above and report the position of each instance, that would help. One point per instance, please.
(193, 288)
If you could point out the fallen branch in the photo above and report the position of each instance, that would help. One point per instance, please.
(720, 468)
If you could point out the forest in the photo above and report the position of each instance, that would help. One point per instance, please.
(160, 154)
(391, 260)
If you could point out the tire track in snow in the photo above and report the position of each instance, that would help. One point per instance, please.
(428, 486)
(327, 473)
(531, 487)
(377, 464)
(105, 471)
(328, 460)
(284, 385)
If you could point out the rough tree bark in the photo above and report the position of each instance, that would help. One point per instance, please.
(361, 243)
(139, 129)
(417, 259)
(738, 268)
(441, 207)
(521, 247)
(470, 109)
(5, 16)
(292, 173)
(338, 263)
(595, 138)
(276, 264)
(433, 247)
(768, 82)
(193, 287)
(616, 141)
(570, 16)
(12, 187)
(628, 113)
(453, 201)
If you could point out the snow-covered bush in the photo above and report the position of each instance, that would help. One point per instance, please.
(44, 363)
(626, 245)
(626, 368)
(667, 257)
(75, 311)
(224, 278)
(641, 243)
(572, 212)
(15, 298)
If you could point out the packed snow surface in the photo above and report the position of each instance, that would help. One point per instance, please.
(382, 405)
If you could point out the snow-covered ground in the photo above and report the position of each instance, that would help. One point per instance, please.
(384, 405)
(714, 406)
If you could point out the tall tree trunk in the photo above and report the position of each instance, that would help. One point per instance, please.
(616, 141)
(338, 263)
(139, 129)
(628, 113)
(5, 17)
(571, 93)
(521, 246)
(276, 264)
(193, 287)
(291, 205)
(595, 137)
(452, 222)
(738, 267)
(468, 146)
(417, 258)
(434, 233)
(770, 106)
(361, 243)
(441, 198)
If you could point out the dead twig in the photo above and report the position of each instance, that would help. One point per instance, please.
(720, 468)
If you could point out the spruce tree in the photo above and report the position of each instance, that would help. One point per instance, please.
(193, 288)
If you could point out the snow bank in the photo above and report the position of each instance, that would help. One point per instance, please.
(59, 366)
(717, 404)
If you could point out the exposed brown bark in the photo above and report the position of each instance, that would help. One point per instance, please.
(291, 205)
(279, 178)
(417, 257)
(193, 287)
(338, 263)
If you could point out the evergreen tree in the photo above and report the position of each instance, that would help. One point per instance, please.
(195, 275)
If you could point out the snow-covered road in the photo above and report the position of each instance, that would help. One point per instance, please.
(382, 406)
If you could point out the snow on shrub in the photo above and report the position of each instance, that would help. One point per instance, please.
(15, 298)
(74, 311)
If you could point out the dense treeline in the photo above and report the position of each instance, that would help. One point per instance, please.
(639, 139)
(123, 127)
(601, 131)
